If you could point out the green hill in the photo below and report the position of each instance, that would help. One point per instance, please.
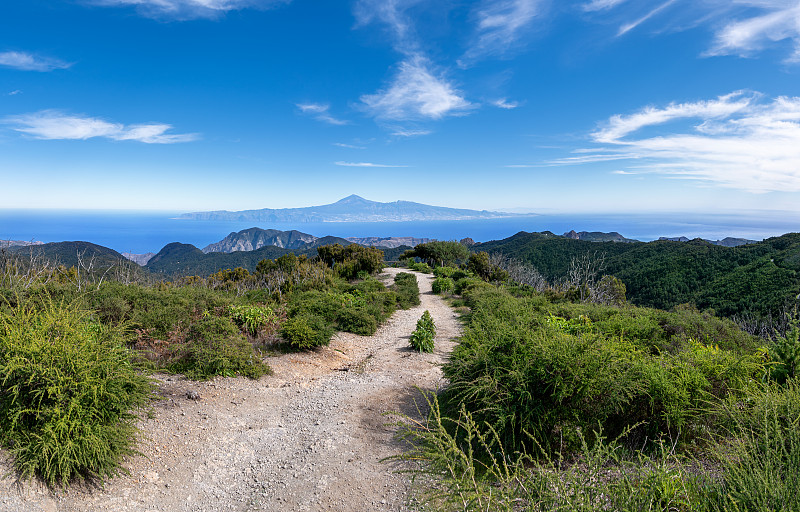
(761, 278)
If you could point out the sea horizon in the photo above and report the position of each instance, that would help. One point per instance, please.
(140, 232)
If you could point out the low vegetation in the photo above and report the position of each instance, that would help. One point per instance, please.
(562, 398)
(76, 344)
(423, 337)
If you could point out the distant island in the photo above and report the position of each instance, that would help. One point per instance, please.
(352, 209)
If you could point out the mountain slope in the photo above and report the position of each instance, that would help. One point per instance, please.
(350, 209)
(256, 238)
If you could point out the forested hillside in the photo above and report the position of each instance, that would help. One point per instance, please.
(760, 278)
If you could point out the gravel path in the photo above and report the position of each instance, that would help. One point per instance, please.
(308, 438)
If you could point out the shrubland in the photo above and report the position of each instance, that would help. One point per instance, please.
(77, 344)
(566, 397)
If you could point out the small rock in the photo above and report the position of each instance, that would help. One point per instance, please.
(192, 395)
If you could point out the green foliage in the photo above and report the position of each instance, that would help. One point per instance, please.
(784, 352)
(69, 394)
(357, 321)
(215, 346)
(439, 254)
(759, 278)
(527, 365)
(420, 267)
(252, 317)
(443, 284)
(307, 330)
(407, 289)
(480, 265)
(422, 338)
(349, 261)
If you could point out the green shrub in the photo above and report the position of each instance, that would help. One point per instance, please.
(215, 346)
(784, 352)
(252, 318)
(423, 336)
(445, 271)
(520, 368)
(307, 330)
(443, 284)
(357, 321)
(69, 393)
(407, 289)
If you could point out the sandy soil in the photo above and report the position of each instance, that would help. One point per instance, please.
(309, 437)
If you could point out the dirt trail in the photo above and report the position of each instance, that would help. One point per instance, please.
(308, 438)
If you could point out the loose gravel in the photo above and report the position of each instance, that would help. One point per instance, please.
(310, 437)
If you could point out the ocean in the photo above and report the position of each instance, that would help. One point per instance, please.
(141, 232)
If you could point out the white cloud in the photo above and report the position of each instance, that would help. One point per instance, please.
(29, 62)
(500, 25)
(365, 164)
(320, 112)
(15, 92)
(601, 5)
(406, 132)
(619, 126)
(392, 13)
(779, 20)
(187, 9)
(624, 29)
(505, 104)
(741, 27)
(416, 93)
(348, 146)
(741, 141)
(54, 125)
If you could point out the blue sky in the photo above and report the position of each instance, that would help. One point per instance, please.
(593, 105)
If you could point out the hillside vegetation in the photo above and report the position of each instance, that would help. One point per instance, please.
(758, 278)
(556, 402)
(77, 343)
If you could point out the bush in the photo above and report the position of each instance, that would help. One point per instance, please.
(443, 284)
(252, 318)
(307, 330)
(423, 336)
(357, 321)
(69, 394)
(407, 289)
(215, 346)
(520, 368)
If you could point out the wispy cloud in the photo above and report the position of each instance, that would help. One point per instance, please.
(365, 164)
(505, 104)
(500, 25)
(779, 20)
(54, 125)
(30, 62)
(600, 5)
(405, 132)
(415, 93)
(740, 140)
(15, 92)
(187, 9)
(320, 112)
(348, 146)
(740, 27)
(624, 29)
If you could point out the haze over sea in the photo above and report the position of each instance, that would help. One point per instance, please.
(141, 232)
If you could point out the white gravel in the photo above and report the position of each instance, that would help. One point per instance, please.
(310, 437)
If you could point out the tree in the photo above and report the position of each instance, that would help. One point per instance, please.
(439, 254)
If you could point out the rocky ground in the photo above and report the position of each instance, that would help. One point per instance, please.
(309, 437)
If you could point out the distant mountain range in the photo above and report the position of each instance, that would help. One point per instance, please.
(597, 236)
(351, 209)
(725, 242)
(255, 238)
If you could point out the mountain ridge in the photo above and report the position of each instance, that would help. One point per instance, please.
(352, 208)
